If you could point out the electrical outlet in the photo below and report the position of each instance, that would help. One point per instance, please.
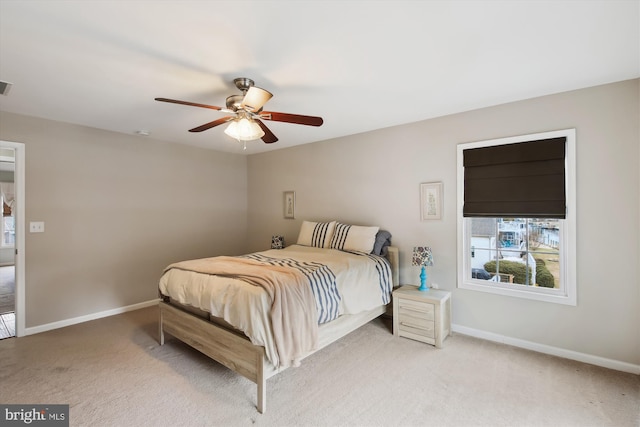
(435, 286)
(36, 227)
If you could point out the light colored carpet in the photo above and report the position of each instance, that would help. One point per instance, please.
(113, 373)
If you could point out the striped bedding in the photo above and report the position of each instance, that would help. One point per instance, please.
(321, 280)
(342, 283)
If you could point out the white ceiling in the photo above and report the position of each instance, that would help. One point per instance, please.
(361, 65)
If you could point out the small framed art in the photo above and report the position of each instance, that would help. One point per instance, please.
(430, 200)
(290, 204)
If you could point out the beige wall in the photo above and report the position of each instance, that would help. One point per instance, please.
(117, 210)
(373, 178)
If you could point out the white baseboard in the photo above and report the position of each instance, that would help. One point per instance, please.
(546, 349)
(88, 317)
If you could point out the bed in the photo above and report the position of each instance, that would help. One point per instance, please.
(260, 313)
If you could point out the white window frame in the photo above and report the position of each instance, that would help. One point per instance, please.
(567, 293)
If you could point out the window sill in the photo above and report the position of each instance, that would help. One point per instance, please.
(556, 296)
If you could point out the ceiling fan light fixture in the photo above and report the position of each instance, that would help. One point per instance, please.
(244, 129)
(255, 98)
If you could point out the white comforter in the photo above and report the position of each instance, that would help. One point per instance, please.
(247, 308)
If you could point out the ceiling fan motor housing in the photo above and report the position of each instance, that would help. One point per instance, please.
(234, 102)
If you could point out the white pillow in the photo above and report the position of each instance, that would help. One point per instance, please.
(354, 238)
(316, 234)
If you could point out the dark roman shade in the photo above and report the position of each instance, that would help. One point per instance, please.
(524, 179)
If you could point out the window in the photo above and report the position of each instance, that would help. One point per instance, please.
(516, 216)
(9, 231)
(8, 226)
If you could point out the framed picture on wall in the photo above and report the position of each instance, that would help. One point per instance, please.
(290, 204)
(430, 200)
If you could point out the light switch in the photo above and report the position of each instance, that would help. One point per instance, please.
(36, 227)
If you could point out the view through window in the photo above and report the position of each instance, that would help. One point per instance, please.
(8, 231)
(520, 251)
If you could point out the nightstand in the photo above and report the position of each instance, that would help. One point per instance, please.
(422, 315)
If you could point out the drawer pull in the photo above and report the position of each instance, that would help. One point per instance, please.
(416, 309)
(413, 325)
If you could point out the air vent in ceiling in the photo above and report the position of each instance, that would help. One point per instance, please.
(4, 87)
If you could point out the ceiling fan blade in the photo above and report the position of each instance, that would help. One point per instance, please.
(193, 104)
(268, 137)
(292, 118)
(211, 124)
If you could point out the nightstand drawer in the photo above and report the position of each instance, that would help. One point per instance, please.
(416, 308)
(415, 319)
(424, 329)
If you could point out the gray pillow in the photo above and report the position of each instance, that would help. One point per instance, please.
(383, 240)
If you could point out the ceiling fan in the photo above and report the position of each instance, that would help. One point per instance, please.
(246, 114)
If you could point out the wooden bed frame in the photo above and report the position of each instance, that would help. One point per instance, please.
(235, 351)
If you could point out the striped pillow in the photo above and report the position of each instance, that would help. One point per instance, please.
(316, 234)
(354, 238)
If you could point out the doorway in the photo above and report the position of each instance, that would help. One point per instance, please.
(12, 304)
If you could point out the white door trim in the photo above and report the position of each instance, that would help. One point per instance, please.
(19, 177)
